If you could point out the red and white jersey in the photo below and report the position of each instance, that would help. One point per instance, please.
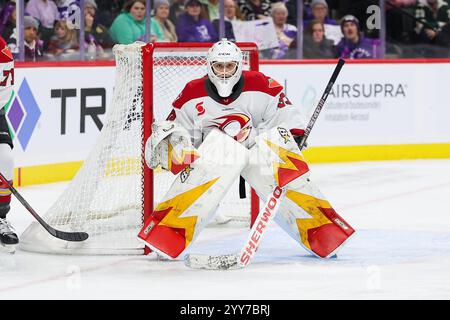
(257, 103)
(6, 74)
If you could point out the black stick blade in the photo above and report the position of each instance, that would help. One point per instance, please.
(63, 235)
(70, 236)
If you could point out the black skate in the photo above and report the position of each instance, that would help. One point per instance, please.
(8, 237)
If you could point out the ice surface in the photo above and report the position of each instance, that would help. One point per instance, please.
(401, 250)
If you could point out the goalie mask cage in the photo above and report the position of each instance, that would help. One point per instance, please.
(114, 189)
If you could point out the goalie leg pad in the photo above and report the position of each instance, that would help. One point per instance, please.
(192, 198)
(304, 213)
(311, 220)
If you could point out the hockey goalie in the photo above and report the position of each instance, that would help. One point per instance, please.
(228, 124)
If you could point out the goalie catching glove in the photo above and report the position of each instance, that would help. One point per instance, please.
(169, 147)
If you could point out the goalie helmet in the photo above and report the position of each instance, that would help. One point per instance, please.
(224, 66)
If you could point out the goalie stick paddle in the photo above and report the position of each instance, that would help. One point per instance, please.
(244, 257)
(68, 236)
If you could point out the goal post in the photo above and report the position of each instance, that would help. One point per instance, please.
(114, 189)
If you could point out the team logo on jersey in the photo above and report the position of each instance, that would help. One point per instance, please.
(273, 83)
(283, 101)
(284, 134)
(200, 108)
(236, 125)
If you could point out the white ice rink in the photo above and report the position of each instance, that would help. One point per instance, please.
(400, 210)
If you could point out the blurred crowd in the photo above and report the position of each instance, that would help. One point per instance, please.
(331, 28)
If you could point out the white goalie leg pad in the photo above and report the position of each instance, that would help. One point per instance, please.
(275, 159)
(275, 164)
(304, 213)
(192, 198)
(310, 219)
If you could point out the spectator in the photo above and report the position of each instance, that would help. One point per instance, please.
(231, 13)
(176, 9)
(8, 19)
(46, 12)
(33, 45)
(286, 33)
(210, 9)
(353, 45)
(93, 29)
(319, 10)
(254, 9)
(129, 26)
(443, 37)
(316, 45)
(435, 14)
(399, 25)
(108, 10)
(64, 39)
(162, 10)
(192, 27)
(291, 5)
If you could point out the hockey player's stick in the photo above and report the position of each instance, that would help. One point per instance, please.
(68, 236)
(244, 257)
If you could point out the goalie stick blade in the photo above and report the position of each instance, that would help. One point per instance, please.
(222, 262)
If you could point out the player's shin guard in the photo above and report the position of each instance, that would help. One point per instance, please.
(8, 238)
(304, 212)
(5, 199)
(7, 168)
(190, 202)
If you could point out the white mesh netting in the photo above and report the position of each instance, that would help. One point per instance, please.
(105, 198)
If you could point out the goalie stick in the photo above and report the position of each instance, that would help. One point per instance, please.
(244, 257)
(68, 236)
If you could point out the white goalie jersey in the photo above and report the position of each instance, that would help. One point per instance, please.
(257, 103)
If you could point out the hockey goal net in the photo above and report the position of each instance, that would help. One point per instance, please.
(114, 189)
